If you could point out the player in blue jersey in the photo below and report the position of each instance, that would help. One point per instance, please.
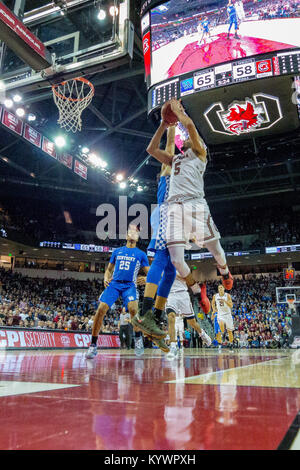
(218, 333)
(162, 273)
(120, 280)
(233, 19)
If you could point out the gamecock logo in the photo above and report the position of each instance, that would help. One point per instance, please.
(242, 118)
(264, 66)
(254, 114)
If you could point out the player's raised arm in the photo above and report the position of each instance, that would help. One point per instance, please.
(153, 148)
(170, 146)
(198, 145)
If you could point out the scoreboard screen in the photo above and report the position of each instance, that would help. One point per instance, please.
(182, 36)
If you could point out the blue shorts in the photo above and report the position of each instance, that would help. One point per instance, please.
(116, 289)
(233, 21)
(159, 221)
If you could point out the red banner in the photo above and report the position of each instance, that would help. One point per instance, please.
(12, 122)
(66, 160)
(16, 125)
(147, 53)
(32, 135)
(45, 339)
(80, 169)
(8, 18)
(49, 147)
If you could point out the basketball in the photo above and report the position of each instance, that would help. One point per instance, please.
(167, 114)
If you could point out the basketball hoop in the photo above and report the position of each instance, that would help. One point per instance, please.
(72, 97)
(291, 304)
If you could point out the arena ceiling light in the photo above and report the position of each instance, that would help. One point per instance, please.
(94, 159)
(113, 11)
(31, 117)
(85, 150)
(20, 112)
(101, 15)
(103, 164)
(123, 185)
(139, 188)
(119, 177)
(8, 103)
(60, 141)
(17, 98)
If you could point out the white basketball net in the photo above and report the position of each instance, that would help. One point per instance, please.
(71, 98)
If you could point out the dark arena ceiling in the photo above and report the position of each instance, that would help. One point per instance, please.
(116, 124)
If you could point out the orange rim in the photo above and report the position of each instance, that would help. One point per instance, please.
(79, 79)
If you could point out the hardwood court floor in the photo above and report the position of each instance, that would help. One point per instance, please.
(205, 400)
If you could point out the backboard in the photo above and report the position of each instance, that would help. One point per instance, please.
(83, 37)
(283, 294)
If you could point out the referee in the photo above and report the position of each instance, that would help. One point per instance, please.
(125, 329)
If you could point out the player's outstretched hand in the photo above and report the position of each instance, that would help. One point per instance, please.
(176, 106)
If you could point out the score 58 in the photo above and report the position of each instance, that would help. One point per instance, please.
(244, 71)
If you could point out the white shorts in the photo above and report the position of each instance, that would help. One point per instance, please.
(227, 320)
(190, 219)
(180, 303)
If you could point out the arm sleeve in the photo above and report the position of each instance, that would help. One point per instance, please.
(113, 257)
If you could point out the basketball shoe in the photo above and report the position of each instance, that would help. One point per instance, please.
(91, 352)
(204, 303)
(227, 281)
(205, 338)
(147, 324)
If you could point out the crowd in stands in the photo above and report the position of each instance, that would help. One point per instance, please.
(278, 9)
(275, 226)
(50, 303)
(70, 305)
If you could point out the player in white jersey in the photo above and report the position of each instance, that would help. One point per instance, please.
(239, 7)
(189, 215)
(178, 307)
(203, 30)
(222, 305)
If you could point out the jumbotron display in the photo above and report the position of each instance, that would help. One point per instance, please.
(189, 35)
